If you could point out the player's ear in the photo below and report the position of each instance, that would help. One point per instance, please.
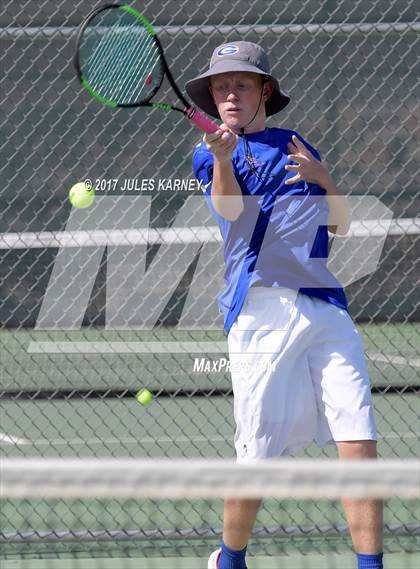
(267, 89)
(211, 89)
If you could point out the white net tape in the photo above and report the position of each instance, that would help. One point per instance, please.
(185, 479)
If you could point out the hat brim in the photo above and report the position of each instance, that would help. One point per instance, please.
(199, 93)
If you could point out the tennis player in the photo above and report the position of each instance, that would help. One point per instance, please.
(275, 201)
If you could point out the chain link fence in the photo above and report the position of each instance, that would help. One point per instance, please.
(67, 386)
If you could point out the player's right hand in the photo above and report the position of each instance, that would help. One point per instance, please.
(221, 143)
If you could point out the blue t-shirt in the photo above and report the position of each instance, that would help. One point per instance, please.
(281, 236)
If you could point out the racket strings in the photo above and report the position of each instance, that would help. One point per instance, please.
(107, 71)
(100, 63)
(146, 69)
(139, 51)
(120, 59)
(126, 65)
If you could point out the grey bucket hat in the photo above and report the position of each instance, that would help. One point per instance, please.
(235, 56)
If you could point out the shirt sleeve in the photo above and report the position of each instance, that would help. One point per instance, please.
(203, 168)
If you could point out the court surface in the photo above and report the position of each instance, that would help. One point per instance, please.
(177, 426)
(394, 561)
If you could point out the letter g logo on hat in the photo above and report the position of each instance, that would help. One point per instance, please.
(228, 50)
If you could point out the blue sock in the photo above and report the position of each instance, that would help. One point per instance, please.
(231, 559)
(369, 561)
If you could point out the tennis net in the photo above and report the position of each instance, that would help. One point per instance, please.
(88, 511)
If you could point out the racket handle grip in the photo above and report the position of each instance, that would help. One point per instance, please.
(201, 120)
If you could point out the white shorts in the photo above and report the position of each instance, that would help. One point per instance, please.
(298, 375)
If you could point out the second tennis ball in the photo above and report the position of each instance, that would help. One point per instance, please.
(81, 196)
(144, 397)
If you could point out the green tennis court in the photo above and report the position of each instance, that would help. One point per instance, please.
(99, 416)
(395, 561)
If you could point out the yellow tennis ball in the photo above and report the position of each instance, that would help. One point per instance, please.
(81, 196)
(144, 396)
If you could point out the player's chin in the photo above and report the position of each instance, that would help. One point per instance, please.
(233, 120)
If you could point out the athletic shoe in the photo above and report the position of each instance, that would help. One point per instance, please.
(213, 562)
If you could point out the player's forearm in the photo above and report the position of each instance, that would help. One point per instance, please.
(339, 219)
(226, 194)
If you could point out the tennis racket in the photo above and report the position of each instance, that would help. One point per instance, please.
(120, 62)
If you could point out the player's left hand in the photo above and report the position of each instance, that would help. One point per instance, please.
(307, 167)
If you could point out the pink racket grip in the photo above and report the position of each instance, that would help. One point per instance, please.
(201, 120)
